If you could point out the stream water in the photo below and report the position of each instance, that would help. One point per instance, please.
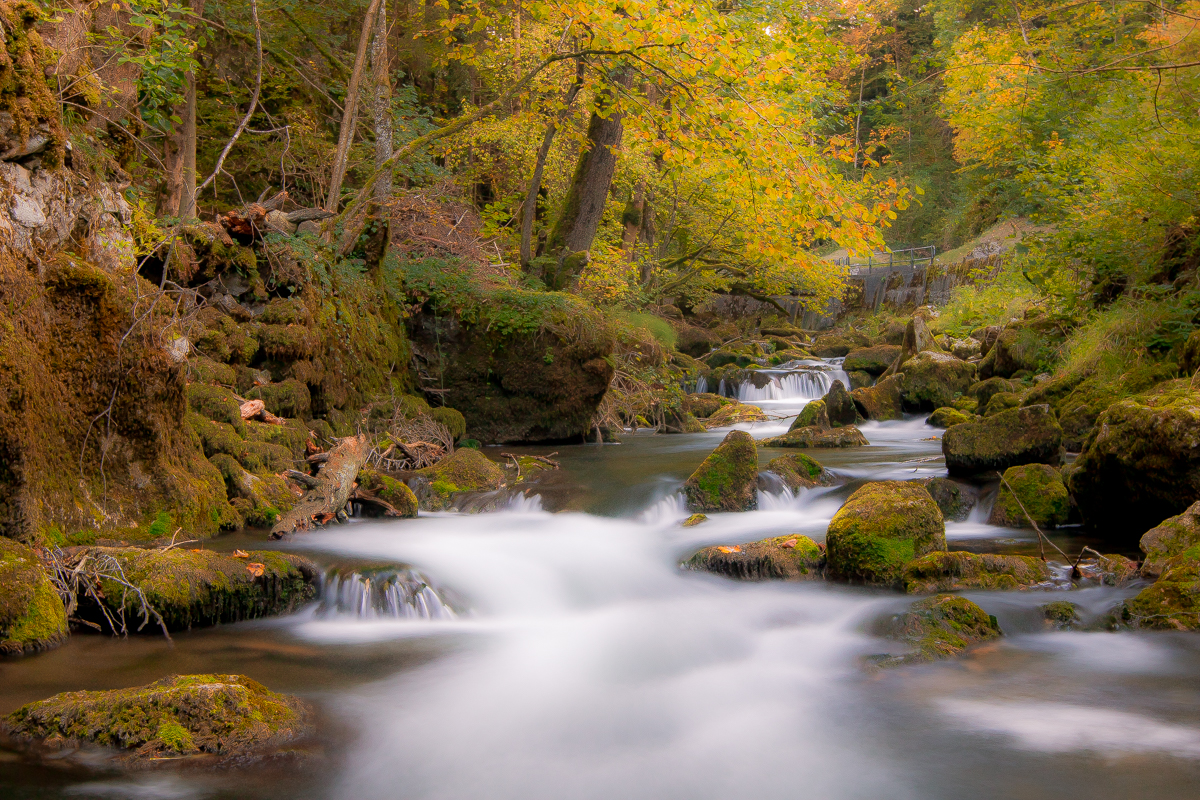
(556, 650)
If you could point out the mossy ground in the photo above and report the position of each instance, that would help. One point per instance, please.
(725, 480)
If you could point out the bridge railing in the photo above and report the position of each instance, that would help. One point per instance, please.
(911, 257)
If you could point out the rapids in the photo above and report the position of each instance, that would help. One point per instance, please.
(555, 650)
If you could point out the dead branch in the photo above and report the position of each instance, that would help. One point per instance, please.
(253, 101)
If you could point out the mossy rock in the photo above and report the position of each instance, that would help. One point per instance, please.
(197, 588)
(257, 457)
(224, 717)
(1170, 538)
(703, 404)
(290, 398)
(967, 405)
(817, 437)
(723, 358)
(789, 355)
(32, 616)
(942, 626)
(1080, 399)
(881, 401)
(1062, 615)
(948, 417)
(933, 380)
(1001, 401)
(1173, 601)
(205, 370)
(954, 501)
(871, 360)
(984, 390)
(957, 571)
(1111, 569)
(465, 470)
(726, 479)
(800, 471)
(860, 380)
(259, 499)
(1037, 487)
(1141, 464)
(1027, 347)
(452, 419)
(813, 413)
(789, 558)
(837, 344)
(393, 492)
(293, 435)
(734, 414)
(1027, 435)
(287, 342)
(839, 406)
(882, 527)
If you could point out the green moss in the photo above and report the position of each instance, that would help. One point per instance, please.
(175, 737)
(287, 342)
(725, 480)
(1173, 601)
(32, 616)
(932, 380)
(799, 470)
(466, 470)
(813, 413)
(1170, 538)
(881, 401)
(1041, 491)
(216, 403)
(939, 627)
(452, 419)
(693, 521)
(872, 360)
(1061, 614)
(289, 398)
(394, 492)
(816, 436)
(792, 557)
(882, 526)
(946, 417)
(1018, 436)
(704, 405)
(947, 572)
(1001, 401)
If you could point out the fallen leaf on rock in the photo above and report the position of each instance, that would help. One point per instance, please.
(255, 569)
(791, 543)
(240, 554)
(729, 548)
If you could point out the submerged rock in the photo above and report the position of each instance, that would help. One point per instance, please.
(816, 436)
(882, 527)
(1170, 538)
(1108, 570)
(220, 718)
(953, 499)
(726, 480)
(872, 360)
(32, 616)
(800, 471)
(950, 572)
(1028, 435)
(881, 401)
(1034, 489)
(939, 627)
(947, 417)
(693, 521)
(789, 558)
(1173, 601)
(933, 380)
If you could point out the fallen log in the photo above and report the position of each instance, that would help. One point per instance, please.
(335, 483)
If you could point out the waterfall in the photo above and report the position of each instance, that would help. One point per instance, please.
(394, 594)
(800, 385)
(702, 385)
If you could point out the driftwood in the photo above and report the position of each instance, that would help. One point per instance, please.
(255, 409)
(335, 483)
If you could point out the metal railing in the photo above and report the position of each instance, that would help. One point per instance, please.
(911, 257)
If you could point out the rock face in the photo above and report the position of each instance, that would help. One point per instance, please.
(939, 627)
(789, 558)
(817, 436)
(465, 470)
(726, 480)
(946, 417)
(1141, 464)
(222, 717)
(931, 380)
(1033, 489)
(32, 616)
(196, 588)
(872, 360)
(881, 401)
(1173, 601)
(839, 406)
(953, 499)
(882, 527)
(1027, 435)
(1170, 538)
(951, 572)
(800, 471)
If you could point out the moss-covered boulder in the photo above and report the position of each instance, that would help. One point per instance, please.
(837, 344)
(256, 456)
(839, 406)
(933, 380)
(942, 626)
(726, 480)
(1031, 490)
(984, 390)
(465, 470)
(1061, 615)
(197, 588)
(953, 499)
(1173, 601)
(1028, 435)
(1016, 349)
(881, 401)
(789, 558)
(704, 404)
(1141, 464)
(1001, 401)
(860, 380)
(871, 360)
(293, 435)
(215, 718)
(452, 419)
(32, 616)
(818, 437)
(1170, 538)
(734, 413)
(800, 471)
(882, 527)
(947, 417)
(814, 413)
(289, 398)
(259, 499)
(951, 572)
(391, 491)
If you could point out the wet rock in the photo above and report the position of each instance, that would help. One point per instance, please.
(933, 380)
(938, 627)
(860, 380)
(726, 480)
(800, 471)
(32, 616)
(954, 500)
(1039, 489)
(791, 354)
(814, 414)
(881, 401)
(1173, 601)
(882, 527)
(703, 405)
(693, 521)
(984, 390)
(1108, 570)
(466, 470)
(816, 436)
(789, 558)
(872, 360)
(840, 406)
(391, 491)
(946, 417)
(951, 572)
(1027, 435)
(212, 718)
(1170, 538)
(1141, 464)
(197, 588)
(1061, 615)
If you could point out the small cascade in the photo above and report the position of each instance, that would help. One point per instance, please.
(523, 503)
(671, 508)
(806, 385)
(391, 594)
(702, 385)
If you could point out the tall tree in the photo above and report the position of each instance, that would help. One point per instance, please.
(350, 111)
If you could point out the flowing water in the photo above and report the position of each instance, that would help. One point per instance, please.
(556, 650)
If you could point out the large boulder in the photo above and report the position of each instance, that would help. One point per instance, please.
(1031, 490)
(948, 417)
(938, 627)
(954, 499)
(1173, 601)
(957, 571)
(1028, 435)
(818, 436)
(881, 401)
(932, 380)
(1170, 538)
(32, 616)
(1141, 464)
(800, 471)
(882, 527)
(814, 414)
(872, 360)
(212, 718)
(839, 406)
(789, 558)
(726, 480)
(1001, 401)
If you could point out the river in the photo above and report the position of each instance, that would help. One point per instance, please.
(555, 650)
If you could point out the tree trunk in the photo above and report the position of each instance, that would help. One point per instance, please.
(330, 490)
(187, 201)
(350, 112)
(171, 188)
(632, 219)
(381, 105)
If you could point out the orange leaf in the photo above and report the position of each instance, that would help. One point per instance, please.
(255, 569)
(791, 542)
(729, 548)
(240, 554)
